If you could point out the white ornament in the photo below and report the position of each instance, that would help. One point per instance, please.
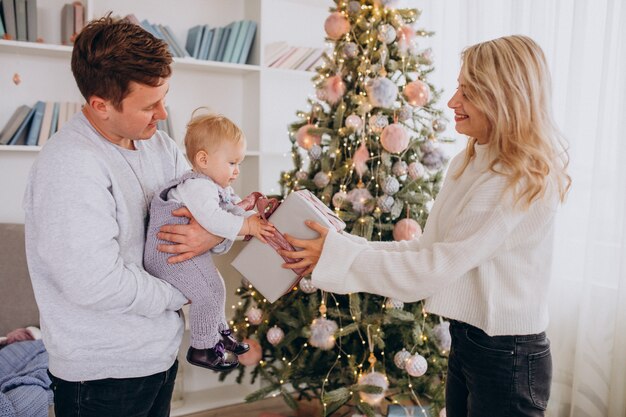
(350, 50)
(302, 175)
(439, 125)
(378, 122)
(275, 335)
(254, 315)
(323, 333)
(416, 170)
(404, 113)
(385, 203)
(442, 334)
(399, 168)
(416, 365)
(315, 152)
(354, 7)
(401, 357)
(321, 179)
(306, 286)
(382, 92)
(394, 304)
(391, 185)
(339, 199)
(354, 122)
(361, 200)
(377, 379)
(386, 33)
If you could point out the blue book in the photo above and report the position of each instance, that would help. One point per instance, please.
(247, 42)
(222, 45)
(205, 43)
(20, 134)
(215, 43)
(147, 26)
(194, 36)
(169, 35)
(232, 39)
(241, 35)
(2, 31)
(35, 126)
(55, 119)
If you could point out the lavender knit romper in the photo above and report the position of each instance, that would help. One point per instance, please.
(197, 278)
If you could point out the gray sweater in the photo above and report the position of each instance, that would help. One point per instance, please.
(102, 314)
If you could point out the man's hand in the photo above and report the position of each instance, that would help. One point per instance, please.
(189, 239)
(311, 250)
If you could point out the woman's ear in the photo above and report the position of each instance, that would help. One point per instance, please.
(201, 159)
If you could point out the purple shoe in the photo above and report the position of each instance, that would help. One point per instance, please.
(232, 344)
(212, 358)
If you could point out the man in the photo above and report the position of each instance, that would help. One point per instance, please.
(112, 331)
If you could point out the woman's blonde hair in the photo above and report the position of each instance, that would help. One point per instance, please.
(508, 80)
(207, 132)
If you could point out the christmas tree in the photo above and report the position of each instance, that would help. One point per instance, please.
(368, 148)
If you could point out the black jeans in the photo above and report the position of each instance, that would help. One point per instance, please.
(147, 396)
(499, 376)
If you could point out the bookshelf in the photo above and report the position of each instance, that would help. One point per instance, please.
(262, 100)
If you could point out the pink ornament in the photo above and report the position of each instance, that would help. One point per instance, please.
(362, 200)
(336, 25)
(305, 139)
(394, 138)
(360, 158)
(417, 93)
(406, 229)
(275, 335)
(253, 356)
(334, 89)
(254, 315)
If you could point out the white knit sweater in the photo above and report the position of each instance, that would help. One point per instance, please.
(479, 261)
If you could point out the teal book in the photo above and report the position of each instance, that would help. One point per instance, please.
(194, 36)
(232, 39)
(55, 119)
(13, 124)
(2, 31)
(220, 50)
(247, 43)
(8, 13)
(19, 136)
(169, 33)
(215, 43)
(35, 125)
(205, 43)
(20, 20)
(241, 35)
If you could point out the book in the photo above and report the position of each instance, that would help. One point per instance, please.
(295, 58)
(46, 122)
(79, 17)
(311, 59)
(232, 39)
(32, 32)
(13, 124)
(63, 109)
(19, 137)
(238, 44)
(20, 20)
(67, 24)
(247, 42)
(35, 125)
(194, 37)
(203, 51)
(148, 27)
(169, 33)
(215, 41)
(2, 31)
(8, 12)
(274, 51)
(54, 124)
(284, 57)
(220, 50)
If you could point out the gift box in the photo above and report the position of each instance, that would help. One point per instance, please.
(261, 264)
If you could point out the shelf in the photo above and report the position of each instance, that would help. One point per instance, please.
(20, 148)
(35, 48)
(214, 66)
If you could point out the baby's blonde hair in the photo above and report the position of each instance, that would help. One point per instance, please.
(207, 132)
(508, 80)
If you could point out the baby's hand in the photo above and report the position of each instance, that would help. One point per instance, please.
(259, 228)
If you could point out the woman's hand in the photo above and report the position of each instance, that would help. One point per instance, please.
(189, 239)
(311, 250)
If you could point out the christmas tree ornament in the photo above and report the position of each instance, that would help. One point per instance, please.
(339, 199)
(350, 50)
(306, 286)
(361, 200)
(400, 168)
(354, 122)
(321, 179)
(354, 8)
(334, 89)
(305, 138)
(360, 158)
(442, 413)
(443, 336)
(378, 122)
(386, 33)
(406, 37)
(416, 170)
(315, 152)
(336, 25)
(382, 92)
(394, 138)
(317, 109)
(254, 315)
(416, 365)
(417, 93)
(439, 125)
(253, 356)
(433, 159)
(406, 229)
(376, 379)
(323, 333)
(394, 304)
(385, 203)
(401, 357)
(390, 185)
(404, 113)
(302, 175)
(275, 335)
(17, 79)
(426, 56)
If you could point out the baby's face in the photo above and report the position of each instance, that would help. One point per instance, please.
(223, 164)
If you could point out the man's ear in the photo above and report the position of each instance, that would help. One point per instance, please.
(202, 158)
(99, 107)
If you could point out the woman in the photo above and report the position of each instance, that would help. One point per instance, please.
(485, 256)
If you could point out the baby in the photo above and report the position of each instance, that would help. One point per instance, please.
(215, 147)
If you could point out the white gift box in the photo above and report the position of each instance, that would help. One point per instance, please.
(261, 264)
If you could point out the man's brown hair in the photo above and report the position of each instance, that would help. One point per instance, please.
(108, 54)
